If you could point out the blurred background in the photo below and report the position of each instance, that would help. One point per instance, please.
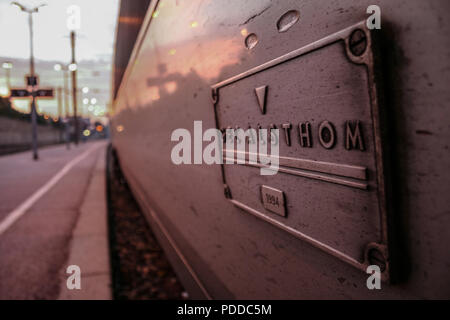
(94, 25)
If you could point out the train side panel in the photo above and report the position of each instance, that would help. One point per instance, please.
(185, 52)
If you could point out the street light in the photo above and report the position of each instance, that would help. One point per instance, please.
(72, 67)
(30, 12)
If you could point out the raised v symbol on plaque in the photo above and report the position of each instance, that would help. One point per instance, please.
(261, 93)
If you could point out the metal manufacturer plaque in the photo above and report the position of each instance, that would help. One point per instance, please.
(323, 98)
(273, 200)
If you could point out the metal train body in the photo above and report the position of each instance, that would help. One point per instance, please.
(363, 179)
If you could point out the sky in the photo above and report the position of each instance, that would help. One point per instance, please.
(94, 47)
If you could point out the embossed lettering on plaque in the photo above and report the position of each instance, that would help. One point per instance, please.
(329, 190)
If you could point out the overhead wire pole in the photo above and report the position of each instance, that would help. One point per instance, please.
(66, 92)
(60, 112)
(74, 87)
(32, 76)
(66, 105)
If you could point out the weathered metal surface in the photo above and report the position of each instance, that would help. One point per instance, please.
(343, 143)
(188, 46)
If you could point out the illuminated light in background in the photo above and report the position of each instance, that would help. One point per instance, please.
(57, 67)
(46, 117)
(119, 128)
(55, 119)
(86, 133)
(93, 101)
(170, 86)
(91, 108)
(7, 65)
(4, 91)
(172, 52)
(244, 32)
(72, 66)
(85, 89)
(85, 101)
(99, 128)
(194, 24)
(130, 20)
(99, 111)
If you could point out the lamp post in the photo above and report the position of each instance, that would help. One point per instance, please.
(30, 12)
